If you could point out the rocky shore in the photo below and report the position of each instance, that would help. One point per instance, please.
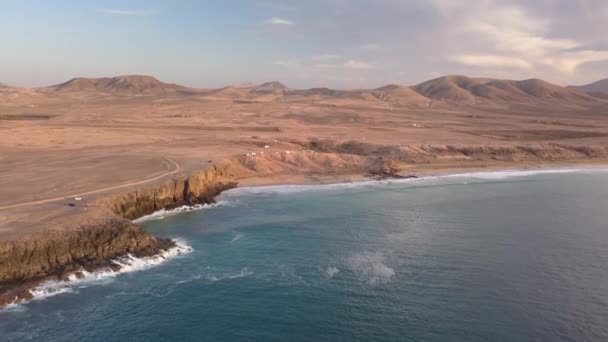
(57, 254)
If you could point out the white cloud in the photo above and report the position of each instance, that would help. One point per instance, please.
(493, 61)
(288, 63)
(495, 35)
(568, 62)
(328, 61)
(126, 12)
(359, 65)
(278, 21)
(325, 57)
(371, 46)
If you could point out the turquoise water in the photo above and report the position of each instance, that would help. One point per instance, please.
(491, 257)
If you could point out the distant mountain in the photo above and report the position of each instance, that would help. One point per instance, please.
(318, 92)
(127, 84)
(462, 89)
(268, 88)
(400, 95)
(453, 90)
(230, 93)
(597, 89)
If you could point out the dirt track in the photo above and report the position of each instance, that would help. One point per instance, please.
(97, 191)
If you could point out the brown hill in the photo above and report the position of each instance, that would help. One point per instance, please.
(401, 95)
(317, 92)
(229, 93)
(462, 89)
(448, 88)
(596, 89)
(269, 88)
(127, 84)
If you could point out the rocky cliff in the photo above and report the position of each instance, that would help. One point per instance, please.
(55, 254)
(200, 188)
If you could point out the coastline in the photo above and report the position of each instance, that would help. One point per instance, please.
(201, 190)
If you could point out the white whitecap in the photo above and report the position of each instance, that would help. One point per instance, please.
(482, 175)
(15, 306)
(331, 271)
(370, 267)
(127, 264)
(163, 213)
(236, 237)
(244, 272)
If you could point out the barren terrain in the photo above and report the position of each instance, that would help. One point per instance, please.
(79, 160)
(96, 137)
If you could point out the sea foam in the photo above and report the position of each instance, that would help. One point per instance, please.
(370, 267)
(126, 264)
(161, 214)
(481, 175)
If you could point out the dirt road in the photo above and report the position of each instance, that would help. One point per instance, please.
(128, 184)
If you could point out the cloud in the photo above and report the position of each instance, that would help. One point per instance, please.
(278, 21)
(325, 61)
(371, 46)
(570, 61)
(288, 63)
(493, 61)
(496, 34)
(325, 57)
(359, 65)
(126, 12)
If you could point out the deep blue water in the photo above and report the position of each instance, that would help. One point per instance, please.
(485, 258)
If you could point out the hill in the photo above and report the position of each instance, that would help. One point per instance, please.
(269, 88)
(597, 88)
(462, 89)
(127, 84)
(400, 95)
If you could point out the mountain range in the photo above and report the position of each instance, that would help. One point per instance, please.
(453, 89)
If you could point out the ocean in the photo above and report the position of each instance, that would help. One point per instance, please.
(495, 256)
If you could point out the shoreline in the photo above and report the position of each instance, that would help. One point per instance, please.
(211, 186)
(363, 181)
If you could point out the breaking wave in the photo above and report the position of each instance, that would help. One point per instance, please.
(482, 175)
(330, 272)
(369, 267)
(161, 214)
(236, 237)
(126, 264)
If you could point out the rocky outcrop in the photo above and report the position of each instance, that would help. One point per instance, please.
(53, 255)
(200, 188)
(56, 254)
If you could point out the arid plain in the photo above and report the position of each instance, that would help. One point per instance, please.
(93, 137)
(80, 160)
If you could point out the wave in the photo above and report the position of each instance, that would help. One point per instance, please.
(126, 264)
(369, 267)
(236, 237)
(15, 306)
(330, 272)
(481, 175)
(244, 272)
(163, 213)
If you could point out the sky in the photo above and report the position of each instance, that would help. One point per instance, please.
(303, 43)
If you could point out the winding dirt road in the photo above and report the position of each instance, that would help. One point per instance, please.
(176, 169)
